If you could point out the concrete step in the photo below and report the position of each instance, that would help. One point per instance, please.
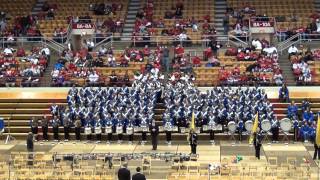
(218, 11)
(219, 15)
(134, 8)
(130, 21)
(129, 25)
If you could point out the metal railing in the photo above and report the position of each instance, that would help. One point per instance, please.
(25, 41)
(295, 39)
(160, 40)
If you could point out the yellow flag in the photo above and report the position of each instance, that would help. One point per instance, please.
(192, 125)
(318, 132)
(254, 128)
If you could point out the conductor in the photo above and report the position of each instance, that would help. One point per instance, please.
(154, 129)
(257, 141)
(193, 140)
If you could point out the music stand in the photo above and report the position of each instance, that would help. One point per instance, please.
(9, 136)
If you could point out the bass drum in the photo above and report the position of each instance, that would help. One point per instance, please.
(266, 125)
(285, 124)
(232, 126)
(248, 125)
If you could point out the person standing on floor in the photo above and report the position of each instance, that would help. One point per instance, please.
(154, 129)
(257, 141)
(44, 126)
(30, 142)
(316, 151)
(55, 128)
(124, 172)
(138, 175)
(77, 128)
(34, 127)
(193, 140)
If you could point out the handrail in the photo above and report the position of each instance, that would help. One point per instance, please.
(69, 29)
(236, 38)
(283, 43)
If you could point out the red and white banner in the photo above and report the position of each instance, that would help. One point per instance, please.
(82, 26)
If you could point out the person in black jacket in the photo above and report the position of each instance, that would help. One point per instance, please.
(154, 129)
(257, 142)
(30, 142)
(124, 172)
(193, 140)
(138, 175)
(316, 151)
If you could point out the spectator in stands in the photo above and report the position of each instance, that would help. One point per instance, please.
(256, 44)
(178, 13)
(93, 79)
(278, 78)
(50, 14)
(293, 50)
(284, 93)
(292, 110)
(225, 22)
(113, 78)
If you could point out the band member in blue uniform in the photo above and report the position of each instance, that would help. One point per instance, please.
(98, 128)
(275, 130)
(55, 122)
(109, 128)
(240, 129)
(168, 127)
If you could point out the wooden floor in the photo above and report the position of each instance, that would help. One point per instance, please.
(207, 153)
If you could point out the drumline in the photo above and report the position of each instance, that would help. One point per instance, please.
(285, 125)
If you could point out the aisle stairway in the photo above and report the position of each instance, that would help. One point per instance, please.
(287, 72)
(317, 5)
(133, 8)
(37, 7)
(219, 9)
(46, 78)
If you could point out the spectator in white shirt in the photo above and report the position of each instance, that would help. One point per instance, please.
(256, 44)
(292, 50)
(93, 79)
(45, 51)
(55, 73)
(8, 52)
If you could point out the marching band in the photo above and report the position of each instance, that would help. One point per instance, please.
(123, 112)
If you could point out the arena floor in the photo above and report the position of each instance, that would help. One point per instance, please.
(207, 153)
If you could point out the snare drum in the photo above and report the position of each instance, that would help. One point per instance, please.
(285, 124)
(145, 129)
(232, 126)
(108, 129)
(87, 130)
(248, 125)
(266, 125)
(97, 130)
(129, 130)
(119, 130)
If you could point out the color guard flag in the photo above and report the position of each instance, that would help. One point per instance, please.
(254, 128)
(318, 132)
(192, 124)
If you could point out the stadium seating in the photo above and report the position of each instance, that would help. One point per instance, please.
(288, 8)
(199, 10)
(67, 9)
(16, 8)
